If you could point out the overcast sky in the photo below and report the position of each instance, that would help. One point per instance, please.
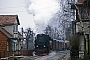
(32, 13)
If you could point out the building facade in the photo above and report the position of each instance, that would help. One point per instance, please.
(10, 39)
(82, 23)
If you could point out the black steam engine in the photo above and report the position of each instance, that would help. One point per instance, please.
(42, 44)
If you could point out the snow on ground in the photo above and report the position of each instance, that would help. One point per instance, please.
(51, 56)
(52, 53)
(59, 55)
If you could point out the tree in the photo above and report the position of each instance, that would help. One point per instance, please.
(74, 41)
(49, 31)
(62, 21)
(29, 37)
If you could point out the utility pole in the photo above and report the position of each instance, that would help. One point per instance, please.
(22, 40)
(22, 31)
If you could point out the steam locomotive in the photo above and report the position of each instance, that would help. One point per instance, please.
(42, 44)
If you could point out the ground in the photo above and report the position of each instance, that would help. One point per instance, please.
(59, 55)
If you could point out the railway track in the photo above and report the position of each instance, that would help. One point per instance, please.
(30, 58)
(60, 55)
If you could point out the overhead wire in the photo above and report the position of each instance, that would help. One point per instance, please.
(23, 6)
(12, 7)
(27, 7)
(25, 11)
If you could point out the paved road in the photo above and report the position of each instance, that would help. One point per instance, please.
(60, 55)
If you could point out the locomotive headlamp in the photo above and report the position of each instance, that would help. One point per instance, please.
(44, 46)
(37, 46)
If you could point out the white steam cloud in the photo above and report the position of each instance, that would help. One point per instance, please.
(42, 11)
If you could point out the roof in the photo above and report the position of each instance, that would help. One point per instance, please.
(7, 34)
(8, 19)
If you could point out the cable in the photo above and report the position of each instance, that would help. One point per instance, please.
(22, 6)
(34, 9)
(11, 7)
(43, 3)
(13, 12)
(47, 7)
(26, 6)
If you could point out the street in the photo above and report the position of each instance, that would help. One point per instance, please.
(60, 55)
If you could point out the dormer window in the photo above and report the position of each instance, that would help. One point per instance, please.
(15, 30)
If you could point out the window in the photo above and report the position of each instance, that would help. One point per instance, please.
(87, 36)
(11, 45)
(7, 46)
(84, 14)
(15, 28)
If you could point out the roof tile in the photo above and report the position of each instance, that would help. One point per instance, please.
(7, 19)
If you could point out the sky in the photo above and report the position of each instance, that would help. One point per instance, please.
(32, 13)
